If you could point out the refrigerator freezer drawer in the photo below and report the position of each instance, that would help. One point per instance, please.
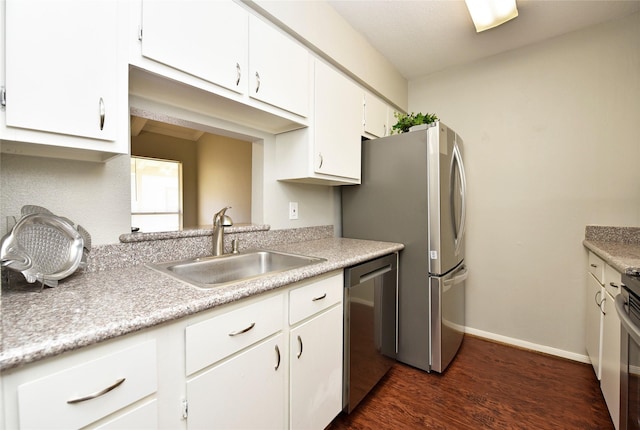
(447, 317)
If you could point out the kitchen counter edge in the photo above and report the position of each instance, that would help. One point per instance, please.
(93, 307)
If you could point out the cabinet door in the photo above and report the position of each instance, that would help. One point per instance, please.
(61, 66)
(375, 116)
(207, 39)
(338, 123)
(610, 374)
(245, 392)
(316, 371)
(279, 68)
(594, 321)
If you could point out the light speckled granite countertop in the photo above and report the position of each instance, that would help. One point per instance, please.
(617, 246)
(98, 305)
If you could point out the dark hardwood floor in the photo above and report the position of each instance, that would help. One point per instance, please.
(488, 386)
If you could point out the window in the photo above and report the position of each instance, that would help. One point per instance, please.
(156, 194)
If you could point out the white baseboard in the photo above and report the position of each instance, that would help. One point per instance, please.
(529, 345)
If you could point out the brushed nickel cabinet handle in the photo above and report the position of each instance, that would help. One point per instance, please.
(238, 74)
(614, 285)
(244, 330)
(299, 347)
(598, 303)
(102, 114)
(593, 265)
(315, 299)
(97, 393)
(257, 82)
(321, 160)
(278, 358)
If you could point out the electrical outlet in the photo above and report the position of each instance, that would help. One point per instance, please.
(293, 210)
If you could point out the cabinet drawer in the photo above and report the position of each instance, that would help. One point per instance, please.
(313, 298)
(216, 338)
(45, 402)
(612, 280)
(596, 266)
(144, 417)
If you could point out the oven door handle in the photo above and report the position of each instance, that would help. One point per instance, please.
(625, 320)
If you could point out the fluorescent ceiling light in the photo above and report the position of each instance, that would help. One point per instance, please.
(487, 14)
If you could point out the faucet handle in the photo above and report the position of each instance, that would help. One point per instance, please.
(221, 219)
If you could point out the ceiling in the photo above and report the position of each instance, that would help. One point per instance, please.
(420, 37)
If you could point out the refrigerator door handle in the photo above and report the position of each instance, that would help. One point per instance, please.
(454, 280)
(459, 234)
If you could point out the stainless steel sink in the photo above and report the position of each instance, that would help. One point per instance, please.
(211, 272)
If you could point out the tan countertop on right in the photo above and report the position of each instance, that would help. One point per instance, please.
(617, 246)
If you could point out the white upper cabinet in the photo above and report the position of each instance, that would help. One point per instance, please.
(207, 39)
(222, 43)
(377, 116)
(337, 128)
(279, 68)
(62, 73)
(328, 151)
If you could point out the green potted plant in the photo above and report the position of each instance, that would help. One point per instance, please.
(406, 121)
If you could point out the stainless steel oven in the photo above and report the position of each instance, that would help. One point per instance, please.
(628, 308)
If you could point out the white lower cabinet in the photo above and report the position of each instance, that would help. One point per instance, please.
(603, 331)
(244, 392)
(247, 387)
(272, 361)
(316, 370)
(610, 371)
(593, 323)
(84, 388)
(144, 417)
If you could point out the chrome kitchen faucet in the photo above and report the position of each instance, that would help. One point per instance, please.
(220, 220)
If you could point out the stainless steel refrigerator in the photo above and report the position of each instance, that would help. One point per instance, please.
(413, 191)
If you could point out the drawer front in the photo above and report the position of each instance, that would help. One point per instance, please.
(315, 297)
(144, 417)
(45, 402)
(612, 280)
(596, 266)
(214, 339)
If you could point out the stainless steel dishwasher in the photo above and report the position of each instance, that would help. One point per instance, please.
(370, 326)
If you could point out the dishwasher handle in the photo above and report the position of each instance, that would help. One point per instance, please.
(378, 272)
(364, 272)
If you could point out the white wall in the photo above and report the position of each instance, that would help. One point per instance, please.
(552, 140)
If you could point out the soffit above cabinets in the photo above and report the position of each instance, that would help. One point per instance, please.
(144, 85)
